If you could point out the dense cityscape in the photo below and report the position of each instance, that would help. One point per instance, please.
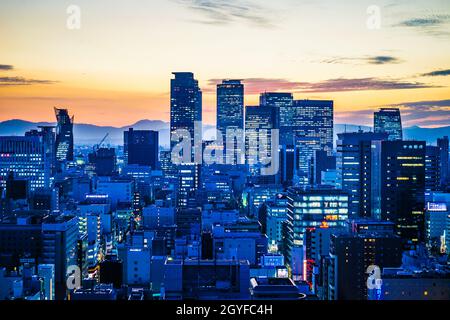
(273, 209)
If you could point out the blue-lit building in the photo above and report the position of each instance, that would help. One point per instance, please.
(59, 236)
(27, 159)
(388, 120)
(230, 118)
(358, 165)
(314, 118)
(307, 209)
(259, 124)
(185, 106)
(64, 137)
(141, 147)
(403, 189)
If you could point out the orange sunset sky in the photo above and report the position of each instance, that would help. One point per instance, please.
(116, 69)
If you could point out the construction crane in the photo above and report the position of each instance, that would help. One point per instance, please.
(97, 146)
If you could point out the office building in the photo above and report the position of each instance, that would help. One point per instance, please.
(59, 236)
(27, 159)
(403, 188)
(388, 120)
(64, 137)
(357, 165)
(185, 107)
(351, 255)
(311, 209)
(141, 147)
(230, 117)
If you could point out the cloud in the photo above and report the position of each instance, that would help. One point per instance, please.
(377, 60)
(382, 60)
(20, 81)
(425, 113)
(6, 67)
(341, 84)
(432, 25)
(222, 12)
(433, 113)
(258, 85)
(437, 73)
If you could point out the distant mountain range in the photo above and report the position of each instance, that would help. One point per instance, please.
(92, 134)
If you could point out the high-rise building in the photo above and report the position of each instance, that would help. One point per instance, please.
(432, 169)
(59, 237)
(350, 257)
(287, 164)
(104, 161)
(189, 183)
(312, 209)
(141, 147)
(185, 107)
(283, 104)
(64, 137)
(356, 166)
(315, 119)
(230, 105)
(389, 120)
(259, 122)
(443, 145)
(305, 148)
(403, 188)
(27, 159)
(230, 116)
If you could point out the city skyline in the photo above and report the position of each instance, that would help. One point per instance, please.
(121, 58)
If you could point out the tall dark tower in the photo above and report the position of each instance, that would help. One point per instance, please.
(64, 137)
(230, 105)
(185, 104)
(403, 189)
(230, 115)
(389, 120)
(141, 147)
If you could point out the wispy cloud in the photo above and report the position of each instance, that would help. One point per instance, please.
(434, 24)
(20, 81)
(434, 113)
(376, 60)
(426, 113)
(222, 12)
(258, 85)
(6, 67)
(437, 73)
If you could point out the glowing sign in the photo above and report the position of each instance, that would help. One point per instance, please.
(437, 206)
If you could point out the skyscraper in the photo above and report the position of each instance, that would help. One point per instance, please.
(141, 147)
(354, 162)
(259, 122)
(185, 106)
(188, 184)
(389, 120)
(64, 137)
(230, 105)
(26, 158)
(315, 119)
(432, 169)
(443, 145)
(403, 188)
(311, 209)
(282, 103)
(59, 236)
(230, 115)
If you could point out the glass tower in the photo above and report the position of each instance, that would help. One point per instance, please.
(185, 105)
(64, 136)
(389, 120)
